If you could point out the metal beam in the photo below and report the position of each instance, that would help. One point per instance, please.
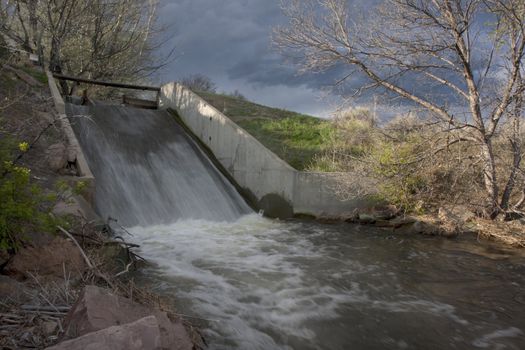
(106, 83)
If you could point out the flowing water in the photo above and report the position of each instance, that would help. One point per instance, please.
(255, 283)
(148, 170)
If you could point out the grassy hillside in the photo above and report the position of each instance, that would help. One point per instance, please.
(294, 137)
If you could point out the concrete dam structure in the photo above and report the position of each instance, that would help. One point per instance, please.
(271, 184)
(268, 183)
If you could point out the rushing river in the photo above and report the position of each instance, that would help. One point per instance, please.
(263, 284)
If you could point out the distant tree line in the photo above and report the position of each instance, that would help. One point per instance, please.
(203, 83)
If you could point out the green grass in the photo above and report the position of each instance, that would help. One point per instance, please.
(238, 109)
(296, 138)
(36, 73)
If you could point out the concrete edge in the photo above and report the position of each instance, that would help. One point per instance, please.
(85, 173)
(248, 197)
(234, 125)
(255, 140)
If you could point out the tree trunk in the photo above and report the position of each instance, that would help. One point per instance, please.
(489, 177)
(54, 56)
(33, 24)
(515, 143)
(25, 44)
(55, 64)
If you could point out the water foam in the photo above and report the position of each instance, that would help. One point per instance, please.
(256, 280)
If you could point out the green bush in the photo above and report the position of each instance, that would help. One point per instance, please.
(396, 165)
(24, 208)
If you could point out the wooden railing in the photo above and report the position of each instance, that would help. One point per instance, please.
(125, 99)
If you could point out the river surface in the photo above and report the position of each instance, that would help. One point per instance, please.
(266, 284)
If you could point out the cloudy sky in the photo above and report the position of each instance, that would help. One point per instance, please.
(229, 41)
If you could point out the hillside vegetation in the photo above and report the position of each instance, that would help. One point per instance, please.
(296, 138)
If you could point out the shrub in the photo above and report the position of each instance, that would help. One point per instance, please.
(400, 181)
(388, 163)
(24, 208)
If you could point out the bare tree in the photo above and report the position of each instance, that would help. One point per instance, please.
(99, 39)
(116, 39)
(199, 82)
(61, 17)
(238, 95)
(407, 47)
(11, 26)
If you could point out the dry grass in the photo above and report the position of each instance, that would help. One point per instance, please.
(511, 233)
(38, 321)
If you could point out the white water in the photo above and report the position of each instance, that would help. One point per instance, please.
(239, 274)
(264, 284)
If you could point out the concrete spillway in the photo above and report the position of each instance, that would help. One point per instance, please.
(148, 170)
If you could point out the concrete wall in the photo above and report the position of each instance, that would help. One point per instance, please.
(279, 189)
(73, 146)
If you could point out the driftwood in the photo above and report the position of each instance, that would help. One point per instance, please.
(92, 267)
(102, 242)
(70, 236)
(45, 308)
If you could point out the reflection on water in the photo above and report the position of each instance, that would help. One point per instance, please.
(263, 284)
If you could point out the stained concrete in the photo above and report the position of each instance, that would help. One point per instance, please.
(75, 152)
(73, 145)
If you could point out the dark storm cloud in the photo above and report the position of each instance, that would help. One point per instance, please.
(229, 41)
(213, 36)
(268, 69)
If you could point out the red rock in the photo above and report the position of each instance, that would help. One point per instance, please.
(98, 308)
(57, 155)
(142, 334)
(48, 260)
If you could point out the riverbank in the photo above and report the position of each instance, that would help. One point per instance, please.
(56, 257)
(74, 287)
(448, 222)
